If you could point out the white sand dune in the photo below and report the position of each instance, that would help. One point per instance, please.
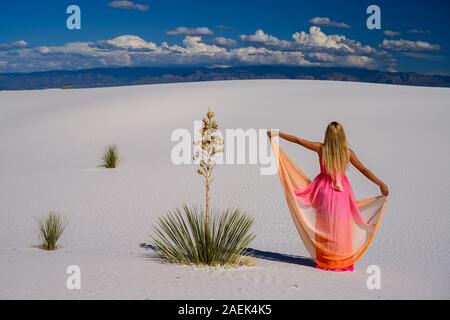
(51, 141)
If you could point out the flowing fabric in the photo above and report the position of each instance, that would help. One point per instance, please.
(336, 229)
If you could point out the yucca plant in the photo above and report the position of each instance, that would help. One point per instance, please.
(193, 236)
(181, 237)
(111, 157)
(50, 229)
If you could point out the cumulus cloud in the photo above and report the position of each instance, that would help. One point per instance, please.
(312, 48)
(391, 33)
(260, 38)
(42, 50)
(199, 31)
(409, 46)
(316, 39)
(327, 22)
(195, 45)
(13, 45)
(338, 50)
(225, 42)
(124, 4)
(127, 42)
(20, 43)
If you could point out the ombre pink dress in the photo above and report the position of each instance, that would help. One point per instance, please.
(336, 229)
(335, 205)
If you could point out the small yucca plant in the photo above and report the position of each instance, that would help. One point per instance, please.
(181, 237)
(50, 229)
(111, 157)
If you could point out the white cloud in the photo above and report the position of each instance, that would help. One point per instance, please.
(195, 45)
(421, 55)
(255, 56)
(20, 43)
(418, 31)
(260, 38)
(316, 39)
(199, 31)
(391, 33)
(327, 22)
(225, 42)
(407, 45)
(353, 61)
(313, 48)
(43, 50)
(319, 48)
(124, 4)
(338, 50)
(127, 42)
(14, 45)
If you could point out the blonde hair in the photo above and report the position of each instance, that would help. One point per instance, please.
(335, 150)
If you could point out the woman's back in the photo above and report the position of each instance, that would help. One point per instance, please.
(323, 167)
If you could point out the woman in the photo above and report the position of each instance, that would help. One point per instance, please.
(335, 227)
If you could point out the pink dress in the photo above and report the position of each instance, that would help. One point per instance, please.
(334, 202)
(336, 229)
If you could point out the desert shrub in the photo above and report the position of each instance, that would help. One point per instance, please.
(50, 229)
(111, 157)
(181, 237)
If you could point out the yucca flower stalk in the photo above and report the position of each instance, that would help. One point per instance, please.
(211, 144)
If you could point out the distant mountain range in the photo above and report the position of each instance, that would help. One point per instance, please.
(108, 77)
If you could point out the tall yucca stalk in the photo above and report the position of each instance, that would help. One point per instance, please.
(211, 144)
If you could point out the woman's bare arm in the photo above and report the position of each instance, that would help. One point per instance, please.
(314, 146)
(369, 175)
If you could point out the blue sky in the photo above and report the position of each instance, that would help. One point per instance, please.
(414, 35)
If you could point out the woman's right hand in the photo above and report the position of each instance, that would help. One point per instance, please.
(384, 189)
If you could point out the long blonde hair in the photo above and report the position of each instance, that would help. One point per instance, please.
(335, 150)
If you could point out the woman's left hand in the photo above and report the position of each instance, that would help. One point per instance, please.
(273, 133)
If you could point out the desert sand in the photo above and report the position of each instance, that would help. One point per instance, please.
(51, 142)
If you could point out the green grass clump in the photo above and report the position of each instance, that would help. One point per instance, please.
(111, 157)
(50, 229)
